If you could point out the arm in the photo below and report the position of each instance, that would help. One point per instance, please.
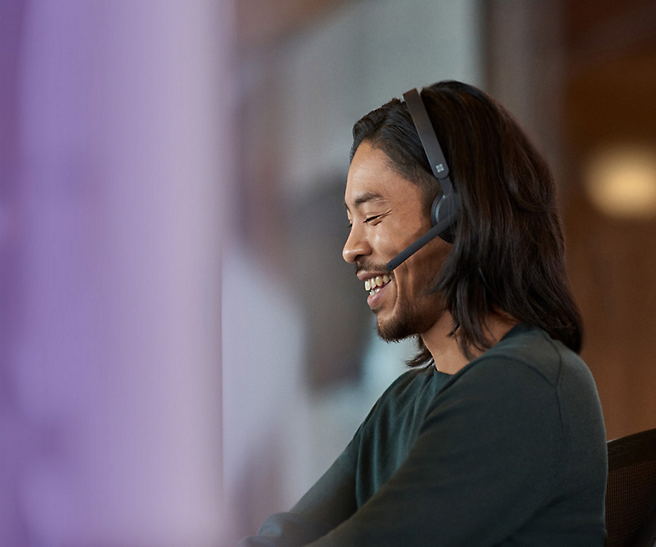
(327, 504)
(482, 466)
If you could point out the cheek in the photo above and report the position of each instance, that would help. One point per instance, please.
(386, 243)
(393, 238)
(426, 265)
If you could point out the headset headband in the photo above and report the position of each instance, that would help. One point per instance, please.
(428, 139)
(445, 208)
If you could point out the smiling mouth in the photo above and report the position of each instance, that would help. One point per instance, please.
(376, 283)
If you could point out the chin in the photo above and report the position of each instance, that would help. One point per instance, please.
(393, 335)
(408, 320)
(397, 328)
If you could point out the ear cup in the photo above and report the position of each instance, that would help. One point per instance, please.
(446, 208)
(435, 209)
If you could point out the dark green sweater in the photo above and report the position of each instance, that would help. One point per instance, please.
(510, 450)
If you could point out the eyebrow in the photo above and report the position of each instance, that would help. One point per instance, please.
(364, 198)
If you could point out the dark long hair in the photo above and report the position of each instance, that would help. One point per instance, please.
(508, 253)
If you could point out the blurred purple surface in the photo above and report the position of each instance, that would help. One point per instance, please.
(114, 166)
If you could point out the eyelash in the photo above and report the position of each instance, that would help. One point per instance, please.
(366, 220)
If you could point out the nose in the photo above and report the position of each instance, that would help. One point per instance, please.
(356, 246)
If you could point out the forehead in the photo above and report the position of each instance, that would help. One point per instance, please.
(371, 179)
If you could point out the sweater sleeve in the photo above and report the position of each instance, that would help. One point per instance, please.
(481, 467)
(327, 504)
(330, 502)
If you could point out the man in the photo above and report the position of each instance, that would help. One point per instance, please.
(495, 436)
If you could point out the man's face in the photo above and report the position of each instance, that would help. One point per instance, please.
(387, 213)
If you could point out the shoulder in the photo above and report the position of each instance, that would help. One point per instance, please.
(529, 374)
(530, 353)
(517, 377)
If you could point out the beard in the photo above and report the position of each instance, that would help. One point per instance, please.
(406, 321)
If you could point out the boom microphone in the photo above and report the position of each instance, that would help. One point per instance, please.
(429, 236)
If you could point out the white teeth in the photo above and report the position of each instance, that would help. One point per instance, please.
(374, 284)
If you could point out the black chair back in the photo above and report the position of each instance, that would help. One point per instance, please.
(631, 491)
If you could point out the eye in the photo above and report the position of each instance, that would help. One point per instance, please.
(370, 219)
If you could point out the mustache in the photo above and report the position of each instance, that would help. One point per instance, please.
(361, 265)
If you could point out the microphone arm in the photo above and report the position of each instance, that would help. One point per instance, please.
(419, 243)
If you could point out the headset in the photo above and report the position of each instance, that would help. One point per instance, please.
(446, 206)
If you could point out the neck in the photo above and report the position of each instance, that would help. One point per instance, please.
(445, 350)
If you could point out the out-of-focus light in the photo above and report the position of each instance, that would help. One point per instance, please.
(621, 181)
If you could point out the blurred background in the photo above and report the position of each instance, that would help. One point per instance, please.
(182, 349)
